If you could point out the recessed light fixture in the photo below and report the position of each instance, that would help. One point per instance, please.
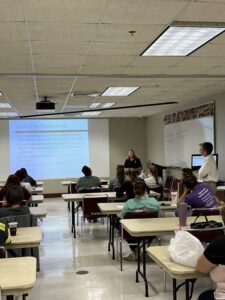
(91, 113)
(8, 114)
(5, 105)
(182, 40)
(77, 94)
(94, 105)
(119, 91)
(76, 106)
(107, 105)
(1, 93)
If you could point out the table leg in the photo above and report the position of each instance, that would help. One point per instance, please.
(174, 289)
(73, 228)
(111, 237)
(140, 272)
(187, 297)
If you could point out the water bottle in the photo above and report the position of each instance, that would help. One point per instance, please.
(182, 212)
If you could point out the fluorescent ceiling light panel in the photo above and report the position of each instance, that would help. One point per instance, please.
(76, 106)
(8, 114)
(182, 40)
(45, 110)
(5, 105)
(91, 113)
(107, 105)
(94, 105)
(119, 91)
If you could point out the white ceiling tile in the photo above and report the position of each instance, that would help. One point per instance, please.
(142, 11)
(58, 60)
(13, 31)
(203, 12)
(62, 32)
(75, 11)
(116, 48)
(11, 10)
(156, 61)
(101, 70)
(107, 60)
(120, 33)
(56, 48)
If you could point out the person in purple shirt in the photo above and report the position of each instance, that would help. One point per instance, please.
(197, 195)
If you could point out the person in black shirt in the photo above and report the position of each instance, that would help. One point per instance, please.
(132, 162)
(27, 177)
(213, 261)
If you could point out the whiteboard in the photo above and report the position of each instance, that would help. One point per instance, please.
(182, 139)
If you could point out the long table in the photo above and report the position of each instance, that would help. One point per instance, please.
(36, 199)
(26, 237)
(112, 208)
(145, 228)
(37, 190)
(160, 256)
(78, 197)
(40, 211)
(17, 275)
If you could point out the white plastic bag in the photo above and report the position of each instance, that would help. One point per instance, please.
(185, 249)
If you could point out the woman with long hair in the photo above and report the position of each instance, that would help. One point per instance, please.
(132, 162)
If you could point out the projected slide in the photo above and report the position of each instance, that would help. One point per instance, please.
(49, 148)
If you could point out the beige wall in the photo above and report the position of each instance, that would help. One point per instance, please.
(124, 133)
(155, 135)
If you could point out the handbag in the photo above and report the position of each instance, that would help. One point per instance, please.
(206, 224)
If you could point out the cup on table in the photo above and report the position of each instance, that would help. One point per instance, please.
(174, 196)
(13, 228)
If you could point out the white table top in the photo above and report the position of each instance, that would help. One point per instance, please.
(37, 190)
(80, 196)
(161, 256)
(112, 208)
(40, 211)
(37, 198)
(26, 237)
(17, 275)
(221, 188)
(40, 183)
(157, 226)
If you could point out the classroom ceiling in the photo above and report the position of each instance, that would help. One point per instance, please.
(58, 47)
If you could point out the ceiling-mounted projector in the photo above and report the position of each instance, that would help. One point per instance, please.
(45, 105)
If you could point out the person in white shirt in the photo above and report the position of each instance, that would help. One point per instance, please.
(153, 180)
(208, 172)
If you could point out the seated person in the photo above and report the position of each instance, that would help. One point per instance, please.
(197, 195)
(20, 174)
(213, 261)
(28, 178)
(128, 186)
(139, 202)
(153, 180)
(12, 181)
(15, 204)
(4, 234)
(88, 181)
(115, 183)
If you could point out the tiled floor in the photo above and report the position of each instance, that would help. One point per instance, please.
(62, 256)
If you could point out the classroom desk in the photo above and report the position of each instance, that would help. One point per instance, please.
(145, 228)
(39, 212)
(17, 275)
(113, 208)
(36, 199)
(26, 237)
(37, 190)
(160, 256)
(221, 188)
(78, 197)
(39, 183)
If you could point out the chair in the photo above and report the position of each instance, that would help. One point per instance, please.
(141, 214)
(206, 235)
(3, 252)
(24, 221)
(168, 187)
(91, 210)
